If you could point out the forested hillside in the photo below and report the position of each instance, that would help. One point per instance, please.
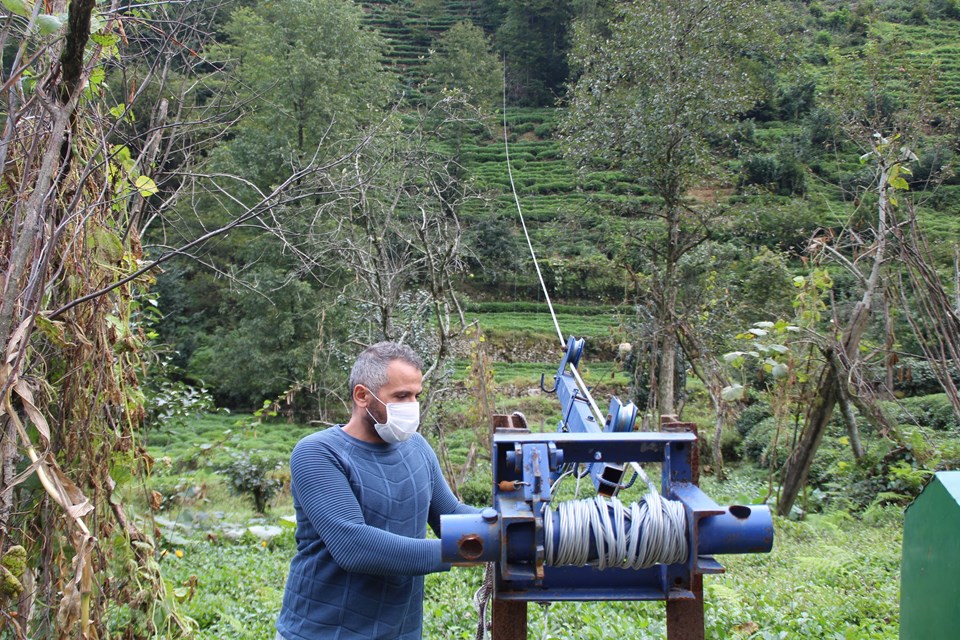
(776, 174)
(751, 211)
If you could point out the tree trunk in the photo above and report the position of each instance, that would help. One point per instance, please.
(798, 464)
(828, 392)
(843, 397)
(667, 373)
(718, 435)
(8, 449)
(711, 375)
(667, 315)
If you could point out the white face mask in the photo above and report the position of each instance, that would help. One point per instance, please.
(403, 419)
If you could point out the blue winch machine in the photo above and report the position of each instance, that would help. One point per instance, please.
(597, 548)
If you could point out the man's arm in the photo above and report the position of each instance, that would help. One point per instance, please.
(325, 497)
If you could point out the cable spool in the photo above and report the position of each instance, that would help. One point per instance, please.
(606, 534)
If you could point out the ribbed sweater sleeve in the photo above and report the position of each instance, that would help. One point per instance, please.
(320, 476)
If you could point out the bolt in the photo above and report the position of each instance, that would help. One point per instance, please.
(489, 514)
(598, 456)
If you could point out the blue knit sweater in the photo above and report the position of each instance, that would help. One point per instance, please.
(362, 511)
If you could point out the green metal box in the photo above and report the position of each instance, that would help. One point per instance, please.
(930, 573)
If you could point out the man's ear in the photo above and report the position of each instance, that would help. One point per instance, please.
(361, 396)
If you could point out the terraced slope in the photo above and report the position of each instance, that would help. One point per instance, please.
(576, 218)
(410, 27)
(936, 43)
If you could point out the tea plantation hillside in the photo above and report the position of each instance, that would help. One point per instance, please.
(410, 28)
(785, 176)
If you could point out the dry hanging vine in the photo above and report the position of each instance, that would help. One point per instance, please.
(70, 402)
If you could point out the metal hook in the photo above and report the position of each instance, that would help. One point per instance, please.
(543, 388)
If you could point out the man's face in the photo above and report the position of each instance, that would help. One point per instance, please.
(404, 384)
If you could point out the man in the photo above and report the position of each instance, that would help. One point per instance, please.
(363, 494)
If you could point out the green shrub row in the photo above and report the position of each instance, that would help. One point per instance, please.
(538, 307)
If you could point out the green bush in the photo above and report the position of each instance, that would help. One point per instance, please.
(478, 489)
(745, 131)
(797, 99)
(945, 9)
(933, 411)
(544, 130)
(792, 179)
(254, 475)
(760, 169)
(171, 402)
(756, 444)
(915, 377)
(823, 129)
(784, 173)
(932, 165)
(730, 441)
(918, 15)
(838, 20)
(751, 416)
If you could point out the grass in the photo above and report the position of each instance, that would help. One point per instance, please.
(212, 437)
(239, 586)
(541, 324)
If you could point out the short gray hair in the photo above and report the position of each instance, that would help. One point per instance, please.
(370, 369)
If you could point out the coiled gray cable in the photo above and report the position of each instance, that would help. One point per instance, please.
(654, 532)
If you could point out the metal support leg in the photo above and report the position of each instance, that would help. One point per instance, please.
(510, 620)
(509, 616)
(685, 617)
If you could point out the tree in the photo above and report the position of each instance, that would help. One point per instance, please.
(534, 37)
(647, 96)
(389, 232)
(246, 317)
(71, 320)
(309, 73)
(462, 59)
(888, 132)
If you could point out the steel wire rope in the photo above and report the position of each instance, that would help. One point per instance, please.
(657, 527)
(653, 533)
(595, 409)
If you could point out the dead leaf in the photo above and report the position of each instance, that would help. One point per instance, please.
(69, 611)
(71, 498)
(146, 458)
(26, 473)
(77, 511)
(5, 372)
(13, 345)
(746, 629)
(156, 500)
(83, 542)
(23, 390)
